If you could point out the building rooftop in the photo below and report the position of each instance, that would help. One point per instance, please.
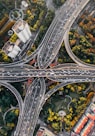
(86, 124)
(19, 26)
(11, 49)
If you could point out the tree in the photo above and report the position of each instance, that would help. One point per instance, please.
(56, 126)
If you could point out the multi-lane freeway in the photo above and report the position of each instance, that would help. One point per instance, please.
(32, 103)
(47, 51)
(55, 34)
(62, 71)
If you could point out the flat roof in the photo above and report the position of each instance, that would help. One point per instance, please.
(19, 26)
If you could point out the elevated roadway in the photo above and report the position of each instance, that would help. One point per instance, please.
(72, 55)
(61, 72)
(32, 102)
(55, 34)
(16, 78)
(18, 97)
(38, 107)
(15, 92)
(66, 41)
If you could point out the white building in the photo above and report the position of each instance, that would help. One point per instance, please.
(22, 30)
(11, 49)
(14, 52)
(24, 5)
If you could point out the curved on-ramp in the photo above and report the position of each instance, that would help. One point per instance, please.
(54, 90)
(46, 55)
(17, 95)
(15, 92)
(67, 45)
(72, 55)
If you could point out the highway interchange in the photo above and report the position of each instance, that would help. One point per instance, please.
(46, 52)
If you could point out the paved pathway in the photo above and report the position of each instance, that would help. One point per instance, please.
(50, 4)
